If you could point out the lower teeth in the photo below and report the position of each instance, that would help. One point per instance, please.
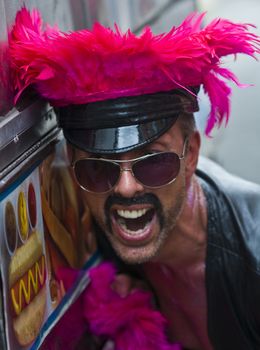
(132, 232)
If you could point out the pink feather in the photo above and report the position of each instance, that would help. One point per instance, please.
(130, 322)
(98, 64)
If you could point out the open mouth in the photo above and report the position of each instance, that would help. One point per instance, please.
(133, 224)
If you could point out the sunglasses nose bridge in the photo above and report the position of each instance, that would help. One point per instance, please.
(125, 165)
(127, 185)
(126, 168)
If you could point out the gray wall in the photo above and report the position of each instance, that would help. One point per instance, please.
(237, 147)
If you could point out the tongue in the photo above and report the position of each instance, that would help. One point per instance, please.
(138, 223)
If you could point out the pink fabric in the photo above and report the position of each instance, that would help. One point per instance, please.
(91, 65)
(130, 322)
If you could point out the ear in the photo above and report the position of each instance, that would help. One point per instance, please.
(192, 155)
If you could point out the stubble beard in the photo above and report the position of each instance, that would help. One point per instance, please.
(168, 230)
(146, 253)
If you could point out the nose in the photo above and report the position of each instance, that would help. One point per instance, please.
(127, 185)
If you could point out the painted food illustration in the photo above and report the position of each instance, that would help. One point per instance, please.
(32, 205)
(22, 216)
(27, 275)
(27, 269)
(10, 227)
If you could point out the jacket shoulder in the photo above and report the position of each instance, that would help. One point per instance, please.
(241, 192)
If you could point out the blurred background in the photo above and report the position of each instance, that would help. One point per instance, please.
(236, 147)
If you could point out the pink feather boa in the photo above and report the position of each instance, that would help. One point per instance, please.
(130, 322)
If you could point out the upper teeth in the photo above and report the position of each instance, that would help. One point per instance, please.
(132, 214)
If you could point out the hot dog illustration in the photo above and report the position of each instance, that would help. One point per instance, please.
(27, 290)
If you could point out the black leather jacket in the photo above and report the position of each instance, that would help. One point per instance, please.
(233, 261)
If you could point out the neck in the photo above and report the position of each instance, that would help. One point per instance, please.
(186, 245)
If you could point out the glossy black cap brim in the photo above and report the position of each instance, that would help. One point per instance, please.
(119, 139)
(126, 123)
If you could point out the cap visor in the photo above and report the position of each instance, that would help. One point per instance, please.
(119, 139)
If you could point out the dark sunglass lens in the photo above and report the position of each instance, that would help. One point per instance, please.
(96, 175)
(157, 170)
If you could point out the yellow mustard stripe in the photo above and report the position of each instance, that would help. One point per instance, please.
(33, 284)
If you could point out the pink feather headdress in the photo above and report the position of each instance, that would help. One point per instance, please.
(99, 64)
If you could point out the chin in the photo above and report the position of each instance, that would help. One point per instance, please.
(137, 254)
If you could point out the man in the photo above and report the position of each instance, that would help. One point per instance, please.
(126, 108)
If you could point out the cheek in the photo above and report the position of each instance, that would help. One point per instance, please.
(95, 204)
(170, 194)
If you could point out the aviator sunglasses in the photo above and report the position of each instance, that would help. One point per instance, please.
(153, 170)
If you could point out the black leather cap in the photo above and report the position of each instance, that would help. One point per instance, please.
(123, 124)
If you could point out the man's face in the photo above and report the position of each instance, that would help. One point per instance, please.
(139, 221)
